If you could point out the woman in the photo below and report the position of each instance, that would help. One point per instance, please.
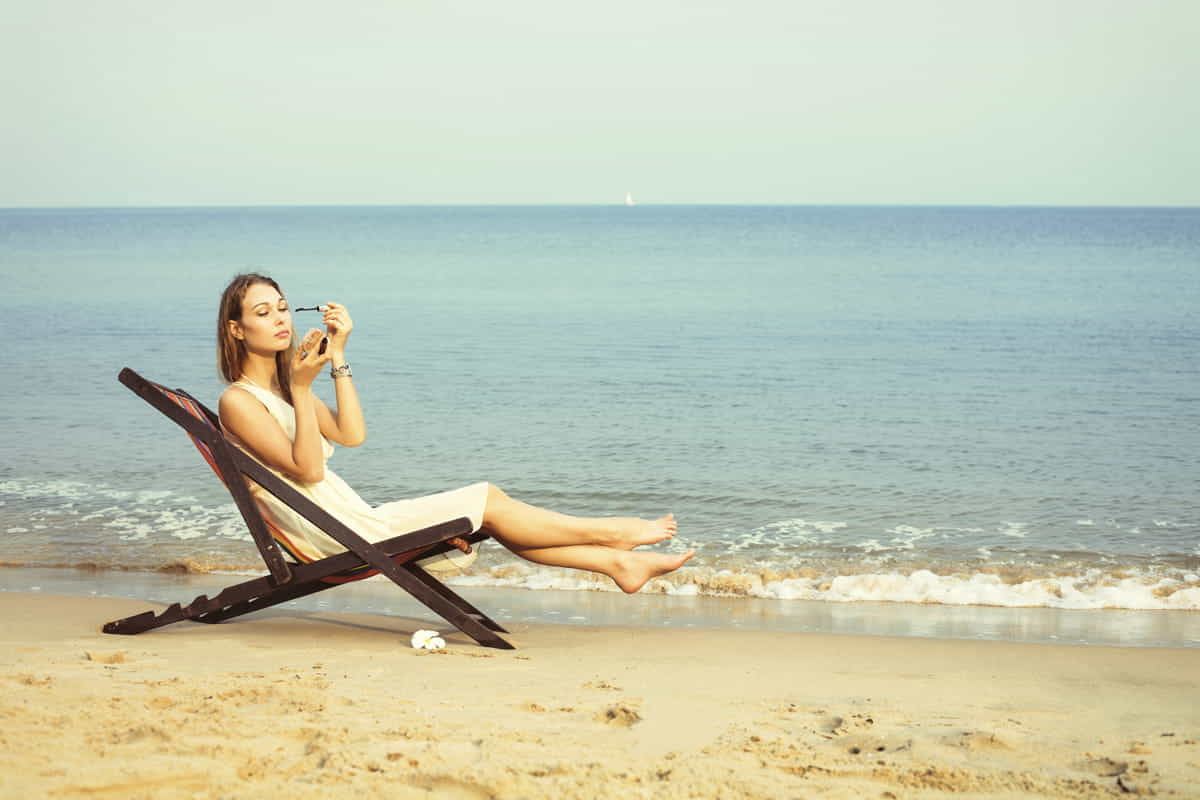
(270, 411)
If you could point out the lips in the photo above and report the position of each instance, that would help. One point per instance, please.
(283, 335)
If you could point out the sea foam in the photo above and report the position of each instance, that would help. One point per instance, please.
(1087, 589)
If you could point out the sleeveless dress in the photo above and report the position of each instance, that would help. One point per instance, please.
(335, 496)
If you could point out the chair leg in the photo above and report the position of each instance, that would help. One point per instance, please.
(448, 611)
(281, 595)
(202, 605)
(260, 593)
(451, 596)
(424, 588)
(145, 621)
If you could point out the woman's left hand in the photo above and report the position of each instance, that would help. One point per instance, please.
(338, 326)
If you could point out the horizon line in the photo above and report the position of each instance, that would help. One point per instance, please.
(611, 204)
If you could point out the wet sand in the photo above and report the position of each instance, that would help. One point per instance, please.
(313, 703)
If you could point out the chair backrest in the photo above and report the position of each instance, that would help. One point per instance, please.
(197, 410)
(203, 427)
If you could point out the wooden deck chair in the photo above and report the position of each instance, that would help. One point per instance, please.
(288, 581)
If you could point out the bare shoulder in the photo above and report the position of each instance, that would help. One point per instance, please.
(234, 397)
(235, 402)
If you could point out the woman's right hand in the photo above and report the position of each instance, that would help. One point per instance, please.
(306, 361)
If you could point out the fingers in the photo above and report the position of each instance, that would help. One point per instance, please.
(337, 319)
(308, 351)
(310, 341)
(334, 311)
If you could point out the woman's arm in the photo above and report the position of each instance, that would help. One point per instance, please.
(346, 426)
(303, 458)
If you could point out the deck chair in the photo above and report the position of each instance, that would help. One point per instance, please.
(394, 558)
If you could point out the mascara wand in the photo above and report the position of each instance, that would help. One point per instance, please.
(325, 340)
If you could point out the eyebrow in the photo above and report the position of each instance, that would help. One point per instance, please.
(268, 302)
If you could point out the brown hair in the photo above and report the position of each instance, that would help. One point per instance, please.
(231, 351)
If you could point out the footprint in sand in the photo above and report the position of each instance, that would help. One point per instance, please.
(976, 741)
(33, 680)
(831, 725)
(620, 715)
(1104, 767)
(865, 744)
(453, 788)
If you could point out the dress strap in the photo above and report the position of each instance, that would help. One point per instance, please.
(264, 395)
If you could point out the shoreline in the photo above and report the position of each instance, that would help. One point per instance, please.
(1108, 627)
(339, 704)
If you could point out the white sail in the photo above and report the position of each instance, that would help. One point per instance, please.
(629, 198)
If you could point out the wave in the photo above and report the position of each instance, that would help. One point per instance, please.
(1176, 590)
(129, 515)
(71, 524)
(178, 566)
(1096, 588)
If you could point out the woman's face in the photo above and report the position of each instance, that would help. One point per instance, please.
(266, 323)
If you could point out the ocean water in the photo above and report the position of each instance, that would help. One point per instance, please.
(922, 405)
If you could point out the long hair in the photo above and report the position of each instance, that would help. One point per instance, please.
(231, 352)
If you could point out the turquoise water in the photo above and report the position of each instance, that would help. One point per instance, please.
(937, 405)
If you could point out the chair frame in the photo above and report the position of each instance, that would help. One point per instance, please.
(288, 581)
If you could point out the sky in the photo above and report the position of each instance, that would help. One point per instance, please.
(1027, 102)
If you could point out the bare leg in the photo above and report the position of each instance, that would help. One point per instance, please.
(522, 526)
(629, 569)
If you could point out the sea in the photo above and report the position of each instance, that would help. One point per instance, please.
(886, 419)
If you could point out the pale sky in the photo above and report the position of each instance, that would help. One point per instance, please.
(165, 102)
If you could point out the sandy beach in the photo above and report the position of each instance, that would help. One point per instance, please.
(339, 705)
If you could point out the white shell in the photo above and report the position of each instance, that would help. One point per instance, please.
(427, 640)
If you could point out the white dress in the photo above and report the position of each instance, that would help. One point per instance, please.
(335, 496)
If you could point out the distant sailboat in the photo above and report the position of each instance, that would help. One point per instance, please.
(629, 198)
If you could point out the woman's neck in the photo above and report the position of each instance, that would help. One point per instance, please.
(260, 370)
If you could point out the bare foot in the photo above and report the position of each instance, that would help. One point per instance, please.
(631, 532)
(635, 568)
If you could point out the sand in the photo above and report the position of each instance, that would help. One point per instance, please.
(300, 704)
